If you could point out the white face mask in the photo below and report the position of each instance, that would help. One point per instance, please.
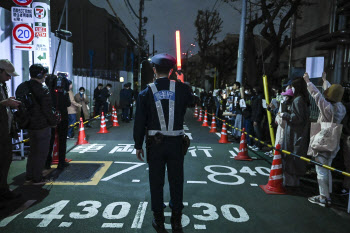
(82, 92)
(285, 98)
(293, 89)
(231, 92)
(246, 92)
(108, 88)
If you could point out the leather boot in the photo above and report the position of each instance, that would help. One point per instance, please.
(176, 221)
(158, 222)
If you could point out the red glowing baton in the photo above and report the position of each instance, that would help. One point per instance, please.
(178, 55)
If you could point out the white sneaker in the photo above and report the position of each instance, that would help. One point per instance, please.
(106, 120)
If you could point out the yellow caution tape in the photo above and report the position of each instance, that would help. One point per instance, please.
(287, 152)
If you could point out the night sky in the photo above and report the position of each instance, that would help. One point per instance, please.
(167, 16)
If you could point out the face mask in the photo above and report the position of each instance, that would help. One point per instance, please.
(230, 88)
(246, 92)
(285, 98)
(82, 92)
(293, 89)
(108, 88)
(231, 92)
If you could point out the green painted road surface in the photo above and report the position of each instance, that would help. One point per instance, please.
(110, 192)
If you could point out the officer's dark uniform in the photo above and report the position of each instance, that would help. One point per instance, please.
(164, 146)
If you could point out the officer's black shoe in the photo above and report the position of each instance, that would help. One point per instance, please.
(158, 222)
(176, 221)
(62, 166)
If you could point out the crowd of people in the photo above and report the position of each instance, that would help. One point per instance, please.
(53, 109)
(245, 107)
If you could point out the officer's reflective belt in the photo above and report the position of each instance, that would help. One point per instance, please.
(169, 95)
(167, 133)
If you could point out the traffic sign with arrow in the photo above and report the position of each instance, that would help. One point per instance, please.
(42, 57)
(23, 47)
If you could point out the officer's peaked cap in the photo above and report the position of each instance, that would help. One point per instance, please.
(163, 60)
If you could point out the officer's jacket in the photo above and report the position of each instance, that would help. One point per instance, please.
(146, 116)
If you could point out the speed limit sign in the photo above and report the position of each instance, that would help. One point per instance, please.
(23, 33)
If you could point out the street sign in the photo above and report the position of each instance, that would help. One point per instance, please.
(23, 2)
(40, 29)
(39, 12)
(22, 15)
(23, 34)
(24, 47)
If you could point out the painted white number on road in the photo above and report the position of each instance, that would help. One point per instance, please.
(136, 165)
(243, 215)
(91, 210)
(233, 172)
(124, 211)
(185, 221)
(210, 211)
(246, 169)
(47, 218)
(261, 172)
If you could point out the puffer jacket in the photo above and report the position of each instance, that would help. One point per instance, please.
(42, 114)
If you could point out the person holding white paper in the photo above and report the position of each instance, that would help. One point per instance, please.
(333, 111)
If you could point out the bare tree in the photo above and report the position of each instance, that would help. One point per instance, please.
(271, 18)
(208, 25)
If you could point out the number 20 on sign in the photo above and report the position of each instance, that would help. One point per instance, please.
(23, 34)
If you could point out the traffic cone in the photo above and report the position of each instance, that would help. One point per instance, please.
(275, 183)
(213, 125)
(243, 150)
(103, 128)
(205, 122)
(196, 112)
(81, 137)
(55, 149)
(223, 138)
(200, 118)
(115, 119)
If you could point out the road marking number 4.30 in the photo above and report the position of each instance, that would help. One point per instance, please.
(119, 210)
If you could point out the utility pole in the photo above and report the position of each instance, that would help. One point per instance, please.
(140, 42)
(153, 45)
(241, 43)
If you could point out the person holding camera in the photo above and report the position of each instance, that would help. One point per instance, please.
(7, 70)
(59, 86)
(42, 119)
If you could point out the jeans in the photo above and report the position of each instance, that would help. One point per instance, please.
(238, 124)
(323, 175)
(72, 118)
(248, 126)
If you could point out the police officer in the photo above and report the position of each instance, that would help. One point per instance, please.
(160, 110)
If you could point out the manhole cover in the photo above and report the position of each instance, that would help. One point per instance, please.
(78, 172)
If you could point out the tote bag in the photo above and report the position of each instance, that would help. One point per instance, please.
(325, 136)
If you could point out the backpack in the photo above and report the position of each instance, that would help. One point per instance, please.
(24, 93)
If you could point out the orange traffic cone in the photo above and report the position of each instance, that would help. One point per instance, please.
(55, 149)
(200, 118)
(115, 119)
(82, 136)
(275, 184)
(196, 111)
(103, 128)
(243, 150)
(205, 122)
(223, 138)
(213, 125)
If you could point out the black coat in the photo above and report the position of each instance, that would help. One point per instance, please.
(4, 126)
(41, 113)
(104, 94)
(125, 98)
(257, 108)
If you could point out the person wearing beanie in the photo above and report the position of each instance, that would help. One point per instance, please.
(331, 110)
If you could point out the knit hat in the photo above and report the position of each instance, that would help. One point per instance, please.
(334, 93)
(288, 92)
